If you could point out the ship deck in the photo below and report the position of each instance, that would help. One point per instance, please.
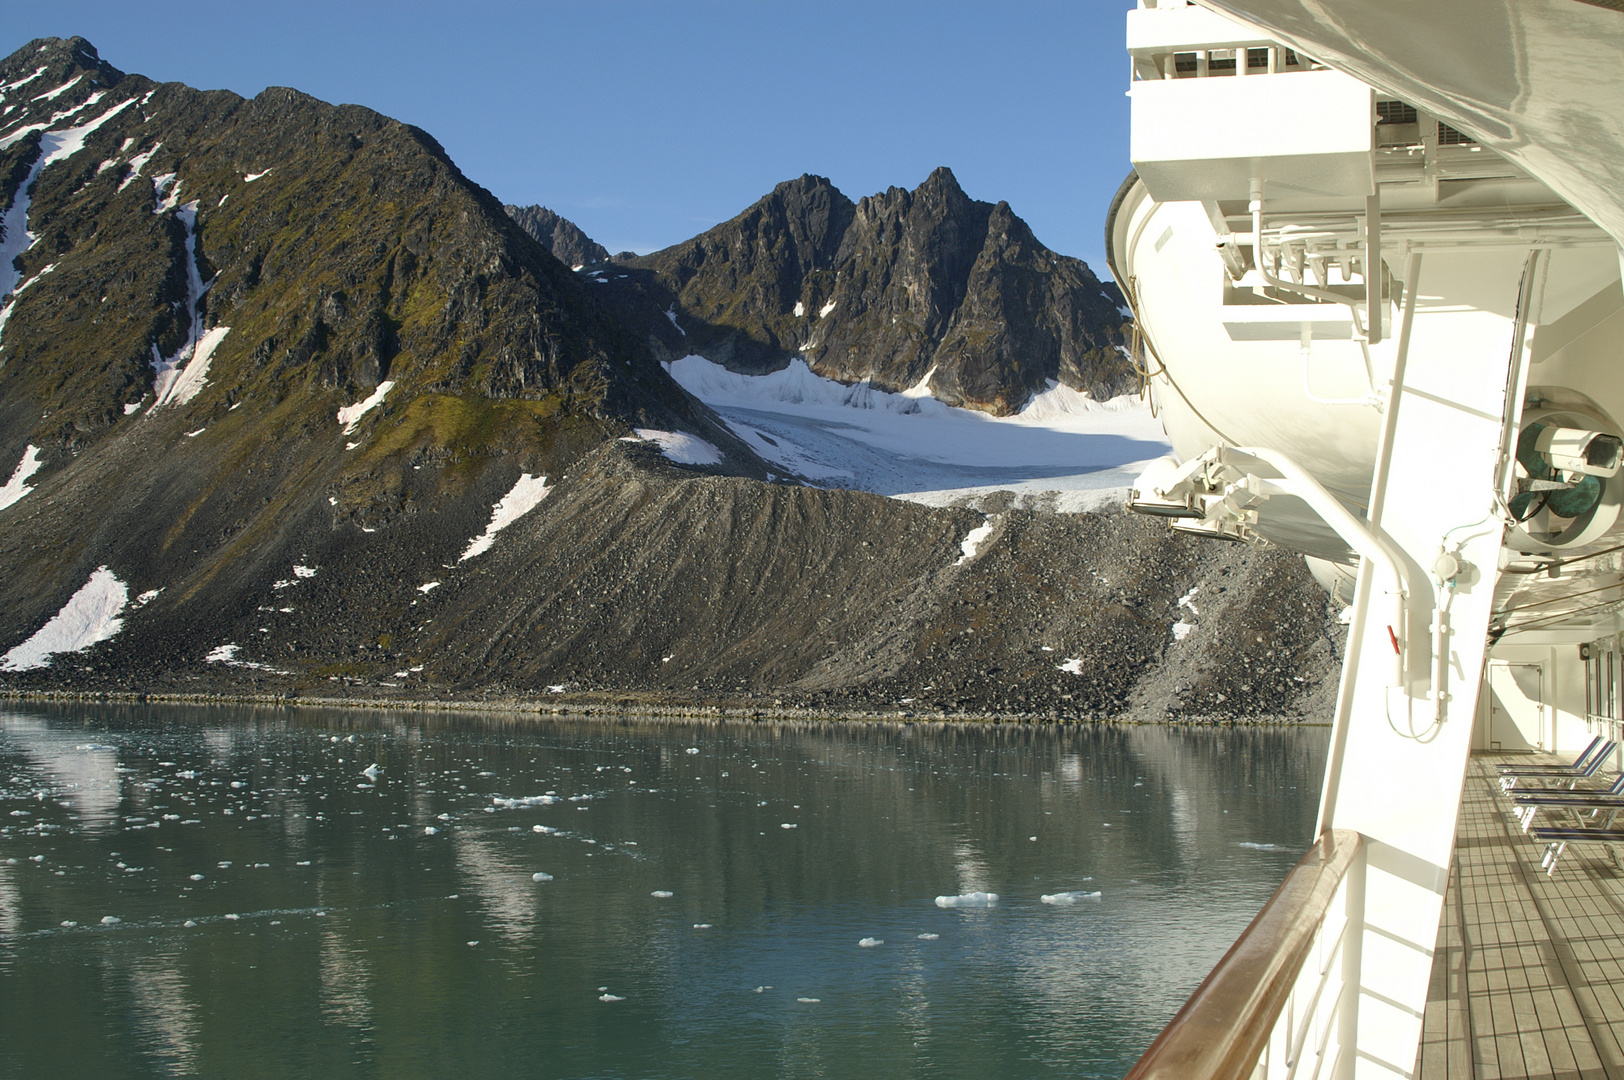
(1528, 973)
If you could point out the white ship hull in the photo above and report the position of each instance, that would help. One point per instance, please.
(1375, 265)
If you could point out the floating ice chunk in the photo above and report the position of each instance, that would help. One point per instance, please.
(662, 894)
(870, 942)
(929, 937)
(528, 800)
(197, 877)
(692, 750)
(1258, 847)
(89, 616)
(17, 486)
(1072, 666)
(189, 924)
(610, 997)
(351, 415)
(702, 926)
(679, 446)
(762, 989)
(545, 830)
(525, 495)
(371, 771)
(539, 876)
(429, 830)
(789, 825)
(111, 920)
(971, 544)
(808, 1001)
(1066, 899)
(969, 899)
(471, 944)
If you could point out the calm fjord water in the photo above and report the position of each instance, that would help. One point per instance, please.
(235, 892)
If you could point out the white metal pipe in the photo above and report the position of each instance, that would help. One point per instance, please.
(1370, 543)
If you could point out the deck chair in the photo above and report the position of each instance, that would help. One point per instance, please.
(1526, 806)
(1557, 839)
(1578, 762)
(1585, 767)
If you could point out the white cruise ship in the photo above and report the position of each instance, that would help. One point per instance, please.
(1373, 251)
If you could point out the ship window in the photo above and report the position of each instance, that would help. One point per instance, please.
(1448, 136)
(1396, 112)
(1184, 63)
(1257, 58)
(1223, 61)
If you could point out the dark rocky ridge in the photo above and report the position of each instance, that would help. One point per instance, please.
(559, 235)
(642, 579)
(363, 256)
(893, 288)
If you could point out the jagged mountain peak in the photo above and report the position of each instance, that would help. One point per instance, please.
(559, 235)
(897, 286)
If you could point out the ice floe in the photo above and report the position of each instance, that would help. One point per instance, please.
(89, 616)
(523, 497)
(541, 876)
(1259, 847)
(527, 800)
(968, 900)
(662, 894)
(1066, 899)
(870, 943)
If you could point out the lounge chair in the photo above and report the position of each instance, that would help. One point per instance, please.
(1587, 765)
(1557, 839)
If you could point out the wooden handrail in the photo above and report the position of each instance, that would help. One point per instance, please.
(1222, 1030)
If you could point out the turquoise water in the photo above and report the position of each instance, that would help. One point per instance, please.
(231, 892)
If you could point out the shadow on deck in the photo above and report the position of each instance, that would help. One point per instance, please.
(1528, 973)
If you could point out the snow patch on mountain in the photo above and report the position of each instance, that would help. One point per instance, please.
(89, 616)
(524, 497)
(17, 486)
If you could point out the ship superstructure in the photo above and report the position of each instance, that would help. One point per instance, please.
(1374, 261)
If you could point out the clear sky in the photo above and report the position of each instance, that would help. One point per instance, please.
(646, 123)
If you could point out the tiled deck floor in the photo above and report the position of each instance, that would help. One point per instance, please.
(1528, 976)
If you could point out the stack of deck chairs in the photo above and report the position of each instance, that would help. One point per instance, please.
(1569, 790)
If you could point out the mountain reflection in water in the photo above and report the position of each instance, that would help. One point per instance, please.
(237, 891)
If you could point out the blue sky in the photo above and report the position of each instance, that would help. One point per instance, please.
(646, 123)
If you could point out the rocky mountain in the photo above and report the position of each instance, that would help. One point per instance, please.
(898, 288)
(559, 235)
(298, 409)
